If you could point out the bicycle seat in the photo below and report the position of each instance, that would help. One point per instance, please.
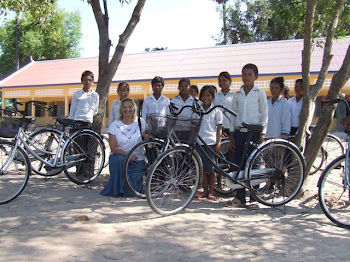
(254, 127)
(66, 121)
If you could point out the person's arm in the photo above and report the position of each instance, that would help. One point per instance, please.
(263, 110)
(73, 107)
(218, 138)
(286, 120)
(96, 105)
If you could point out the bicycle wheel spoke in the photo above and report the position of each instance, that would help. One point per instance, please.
(334, 193)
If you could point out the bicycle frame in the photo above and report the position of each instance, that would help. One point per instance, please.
(57, 162)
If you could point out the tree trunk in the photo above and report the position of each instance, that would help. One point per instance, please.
(107, 66)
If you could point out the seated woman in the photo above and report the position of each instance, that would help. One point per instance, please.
(124, 133)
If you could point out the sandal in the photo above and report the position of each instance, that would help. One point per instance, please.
(253, 206)
(200, 195)
(211, 197)
(236, 203)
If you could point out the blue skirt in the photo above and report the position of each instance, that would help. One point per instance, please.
(116, 186)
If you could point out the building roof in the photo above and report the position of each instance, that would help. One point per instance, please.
(272, 58)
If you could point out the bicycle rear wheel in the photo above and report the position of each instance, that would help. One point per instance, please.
(46, 140)
(173, 180)
(333, 148)
(276, 169)
(105, 140)
(83, 157)
(135, 172)
(334, 194)
(319, 160)
(14, 173)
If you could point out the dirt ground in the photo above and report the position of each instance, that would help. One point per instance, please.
(40, 225)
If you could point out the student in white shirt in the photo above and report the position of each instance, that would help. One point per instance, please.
(296, 104)
(85, 101)
(279, 119)
(184, 98)
(250, 104)
(224, 98)
(210, 131)
(123, 92)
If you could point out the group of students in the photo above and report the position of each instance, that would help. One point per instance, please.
(278, 115)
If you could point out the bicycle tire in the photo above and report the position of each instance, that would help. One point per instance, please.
(276, 169)
(46, 139)
(136, 183)
(173, 180)
(318, 162)
(14, 176)
(83, 157)
(334, 194)
(333, 148)
(105, 140)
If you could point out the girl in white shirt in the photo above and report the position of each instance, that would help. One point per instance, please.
(210, 131)
(123, 92)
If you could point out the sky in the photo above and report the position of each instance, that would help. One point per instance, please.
(172, 24)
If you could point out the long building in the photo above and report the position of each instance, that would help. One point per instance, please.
(55, 81)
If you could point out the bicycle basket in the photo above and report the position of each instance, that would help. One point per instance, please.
(157, 125)
(9, 127)
(185, 129)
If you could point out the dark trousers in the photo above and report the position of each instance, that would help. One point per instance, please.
(240, 140)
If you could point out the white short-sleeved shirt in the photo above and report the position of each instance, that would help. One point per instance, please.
(208, 128)
(128, 135)
(84, 106)
(153, 106)
(179, 103)
(295, 109)
(251, 108)
(279, 117)
(226, 101)
(115, 111)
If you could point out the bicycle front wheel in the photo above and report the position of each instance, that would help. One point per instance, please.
(46, 140)
(173, 180)
(334, 194)
(135, 172)
(14, 173)
(83, 157)
(276, 171)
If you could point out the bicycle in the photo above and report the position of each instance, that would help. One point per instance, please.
(15, 166)
(48, 138)
(333, 184)
(274, 171)
(331, 147)
(80, 155)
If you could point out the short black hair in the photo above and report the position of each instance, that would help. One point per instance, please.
(194, 87)
(226, 75)
(123, 84)
(157, 79)
(252, 67)
(87, 73)
(210, 88)
(185, 80)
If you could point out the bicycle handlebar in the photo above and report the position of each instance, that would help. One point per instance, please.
(341, 98)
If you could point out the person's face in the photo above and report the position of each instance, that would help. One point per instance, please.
(123, 92)
(298, 89)
(224, 83)
(275, 90)
(184, 89)
(193, 92)
(128, 109)
(248, 77)
(157, 88)
(87, 82)
(206, 98)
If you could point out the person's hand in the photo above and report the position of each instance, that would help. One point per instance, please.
(262, 138)
(217, 148)
(232, 143)
(133, 158)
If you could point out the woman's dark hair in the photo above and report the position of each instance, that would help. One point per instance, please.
(125, 84)
(87, 73)
(226, 75)
(252, 67)
(278, 80)
(211, 89)
(185, 80)
(300, 80)
(157, 79)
